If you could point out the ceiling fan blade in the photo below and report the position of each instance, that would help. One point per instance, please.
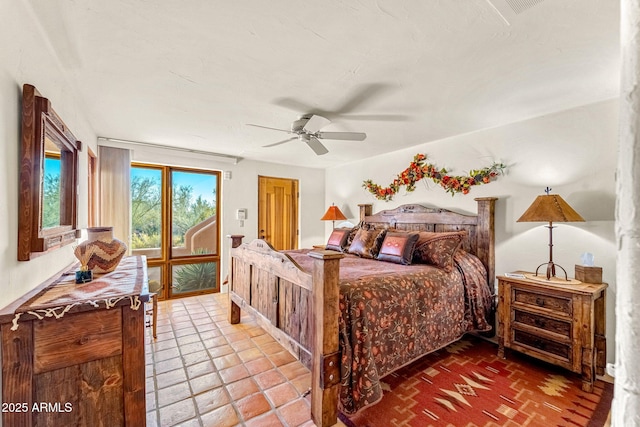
(315, 123)
(316, 145)
(362, 96)
(267, 127)
(343, 136)
(280, 142)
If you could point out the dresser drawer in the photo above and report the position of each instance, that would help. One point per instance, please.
(542, 344)
(552, 325)
(554, 303)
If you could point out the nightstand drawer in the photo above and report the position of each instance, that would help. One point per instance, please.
(542, 322)
(542, 344)
(533, 299)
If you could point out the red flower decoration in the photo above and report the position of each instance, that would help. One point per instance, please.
(418, 170)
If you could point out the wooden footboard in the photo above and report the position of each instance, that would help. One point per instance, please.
(298, 309)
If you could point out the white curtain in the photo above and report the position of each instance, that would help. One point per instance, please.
(115, 197)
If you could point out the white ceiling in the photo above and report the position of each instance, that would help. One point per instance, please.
(193, 73)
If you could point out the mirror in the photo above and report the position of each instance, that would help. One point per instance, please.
(48, 179)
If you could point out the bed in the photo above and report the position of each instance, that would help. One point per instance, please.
(353, 320)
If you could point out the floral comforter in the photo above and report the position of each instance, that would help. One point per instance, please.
(393, 314)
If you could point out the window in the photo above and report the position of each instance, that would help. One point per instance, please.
(175, 223)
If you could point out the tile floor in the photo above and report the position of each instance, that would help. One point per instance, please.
(203, 371)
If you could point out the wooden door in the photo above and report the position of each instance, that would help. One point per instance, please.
(278, 212)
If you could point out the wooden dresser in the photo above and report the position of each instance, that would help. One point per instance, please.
(563, 324)
(74, 354)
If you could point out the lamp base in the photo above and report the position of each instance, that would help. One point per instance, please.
(551, 270)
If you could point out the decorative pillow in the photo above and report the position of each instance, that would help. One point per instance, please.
(366, 243)
(398, 247)
(338, 239)
(438, 248)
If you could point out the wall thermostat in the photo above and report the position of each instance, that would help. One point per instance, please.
(241, 214)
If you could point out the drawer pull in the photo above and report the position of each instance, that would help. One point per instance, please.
(540, 302)
(540, 323)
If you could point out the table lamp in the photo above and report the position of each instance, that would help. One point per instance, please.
(333, 214)
(550, 208)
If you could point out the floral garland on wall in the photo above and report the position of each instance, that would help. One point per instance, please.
(418, 170)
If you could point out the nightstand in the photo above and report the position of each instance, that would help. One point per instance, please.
(563, 324)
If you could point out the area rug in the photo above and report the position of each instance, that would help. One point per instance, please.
(467, 384)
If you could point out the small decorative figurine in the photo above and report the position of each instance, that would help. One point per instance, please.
(84, 275)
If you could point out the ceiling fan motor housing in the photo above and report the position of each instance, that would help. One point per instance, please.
(298, 125)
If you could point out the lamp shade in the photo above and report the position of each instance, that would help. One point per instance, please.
(333, 214)
(550, 208)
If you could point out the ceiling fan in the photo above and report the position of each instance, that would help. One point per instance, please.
(307, 129)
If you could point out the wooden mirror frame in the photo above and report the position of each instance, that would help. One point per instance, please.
(40, 122)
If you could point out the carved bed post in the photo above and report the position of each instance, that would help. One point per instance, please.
(325, 373)
(234, 309)
(486, 236)
(366, 209)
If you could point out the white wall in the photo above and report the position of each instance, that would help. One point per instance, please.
(573, 152)
(25, 57)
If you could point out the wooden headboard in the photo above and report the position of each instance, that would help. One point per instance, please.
(480, 228)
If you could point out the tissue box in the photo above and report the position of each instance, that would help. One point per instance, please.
(589, 274)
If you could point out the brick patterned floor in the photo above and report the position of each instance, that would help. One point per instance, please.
(203, 371)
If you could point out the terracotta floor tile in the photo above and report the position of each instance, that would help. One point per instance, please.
(152, 419)
(199, 369)
(193, 348)
(237, 336)
(168, 365)
(302, 384)
(220, 351)
(150, 398)
(187, 339)
(209, 334)
(242, 345)
(202, 371)
(252, 406)
(215, 342)
(269, 419)
(250, 354)
(162, 336)
(225, 416)
(166, 354)
(233, 374)
(177, 412)
(269, 379)
(173, 394)
(170, 378)
(212, 399)
(258, 365)
(271, 348)
(185, 331)
(197, 357)
(242, 388)
(227, 361)
(164, 345)
(263, 339)
(293, 370)
(255, 331)
(185, 322)
(281, 394)
(282, 358)
(205, 382)
(295, 413)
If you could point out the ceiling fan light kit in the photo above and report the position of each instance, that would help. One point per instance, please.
(307, 129)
